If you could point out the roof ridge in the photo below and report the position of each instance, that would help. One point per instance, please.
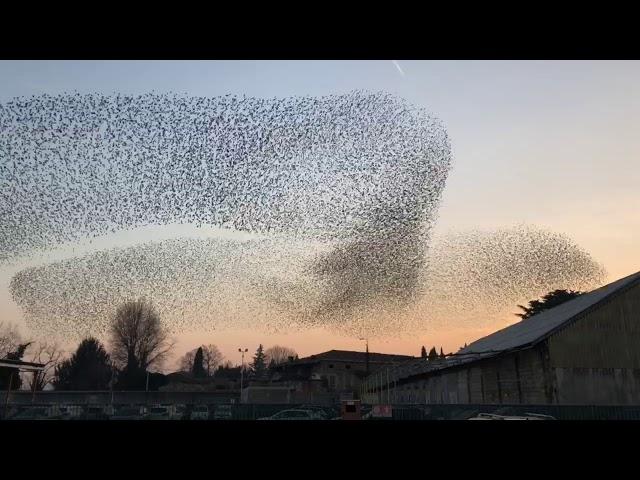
(590, 300)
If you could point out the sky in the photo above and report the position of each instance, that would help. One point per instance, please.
(549, 143)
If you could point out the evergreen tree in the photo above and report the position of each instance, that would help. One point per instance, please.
(198, 369)
(441, 353)
(12, 374)
(258, 366)
(550, 300)
(432, 354)
(89, 368)
(423, 352)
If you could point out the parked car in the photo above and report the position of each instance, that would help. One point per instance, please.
(199, 412)
(526, 416)
(222, 412)
(129, 413)
(293, 414)
(33, 413)
(94, 413)
(324, 413)
(70, 412)
(159, 412)
(179, 413)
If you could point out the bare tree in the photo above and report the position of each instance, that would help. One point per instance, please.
(186, 361)
(48, 354)
(278, 354)
(10, 338)
(138, 340)
(212, 357)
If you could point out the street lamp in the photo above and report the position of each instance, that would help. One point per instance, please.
(366, 358)
(242, 369)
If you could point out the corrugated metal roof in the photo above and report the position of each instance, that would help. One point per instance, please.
(539, 326)
(518, 335)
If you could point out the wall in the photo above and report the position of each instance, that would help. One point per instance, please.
(596, 360)
(510, 379)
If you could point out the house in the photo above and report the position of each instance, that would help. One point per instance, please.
(334, 374)
(583, 352)
(186, 382)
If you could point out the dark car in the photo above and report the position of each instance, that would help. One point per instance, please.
(128, 413)
(222, 412)
(33, 413)
(94, 413)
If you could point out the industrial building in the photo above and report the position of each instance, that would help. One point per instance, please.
(583, 352)
(323, 378)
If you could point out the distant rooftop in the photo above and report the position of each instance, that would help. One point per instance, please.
(355, 357)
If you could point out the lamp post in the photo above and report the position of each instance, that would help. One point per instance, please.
(113, 381)
(366, 358)
(242, 370)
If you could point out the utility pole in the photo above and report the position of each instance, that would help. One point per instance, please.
(388, 393)
(366, 355)
(242, 370)
(6, 403)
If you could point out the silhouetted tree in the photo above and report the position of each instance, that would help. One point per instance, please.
(12, 375)
(423, 352)
(198, 368)
(138, 342)
(432, 354)
(550, 300)
(10, 339)
(211, 358)
(258, 366)
(278, 354)
(89, 368)
(49, 355)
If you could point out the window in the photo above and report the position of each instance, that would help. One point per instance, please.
(330, 365)
(347, 367)
(332, 381)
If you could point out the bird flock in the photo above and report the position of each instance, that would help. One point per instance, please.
(338, 194)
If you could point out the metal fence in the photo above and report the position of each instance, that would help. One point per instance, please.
(418, 412)
(560, 412)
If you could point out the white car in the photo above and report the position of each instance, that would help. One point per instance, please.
(294, 414)
(526, 416)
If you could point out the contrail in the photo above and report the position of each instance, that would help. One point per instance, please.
(395, 62)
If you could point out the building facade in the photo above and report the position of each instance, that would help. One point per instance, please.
(583, 352)
(331, 375)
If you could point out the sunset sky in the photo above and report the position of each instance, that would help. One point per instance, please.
(553, 144)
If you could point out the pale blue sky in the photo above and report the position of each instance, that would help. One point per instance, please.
(554, 143)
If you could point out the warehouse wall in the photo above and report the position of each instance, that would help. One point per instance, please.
(597, 359)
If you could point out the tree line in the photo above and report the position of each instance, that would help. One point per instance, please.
(138, 344)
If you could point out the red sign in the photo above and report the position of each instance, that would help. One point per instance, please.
(382, 411)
